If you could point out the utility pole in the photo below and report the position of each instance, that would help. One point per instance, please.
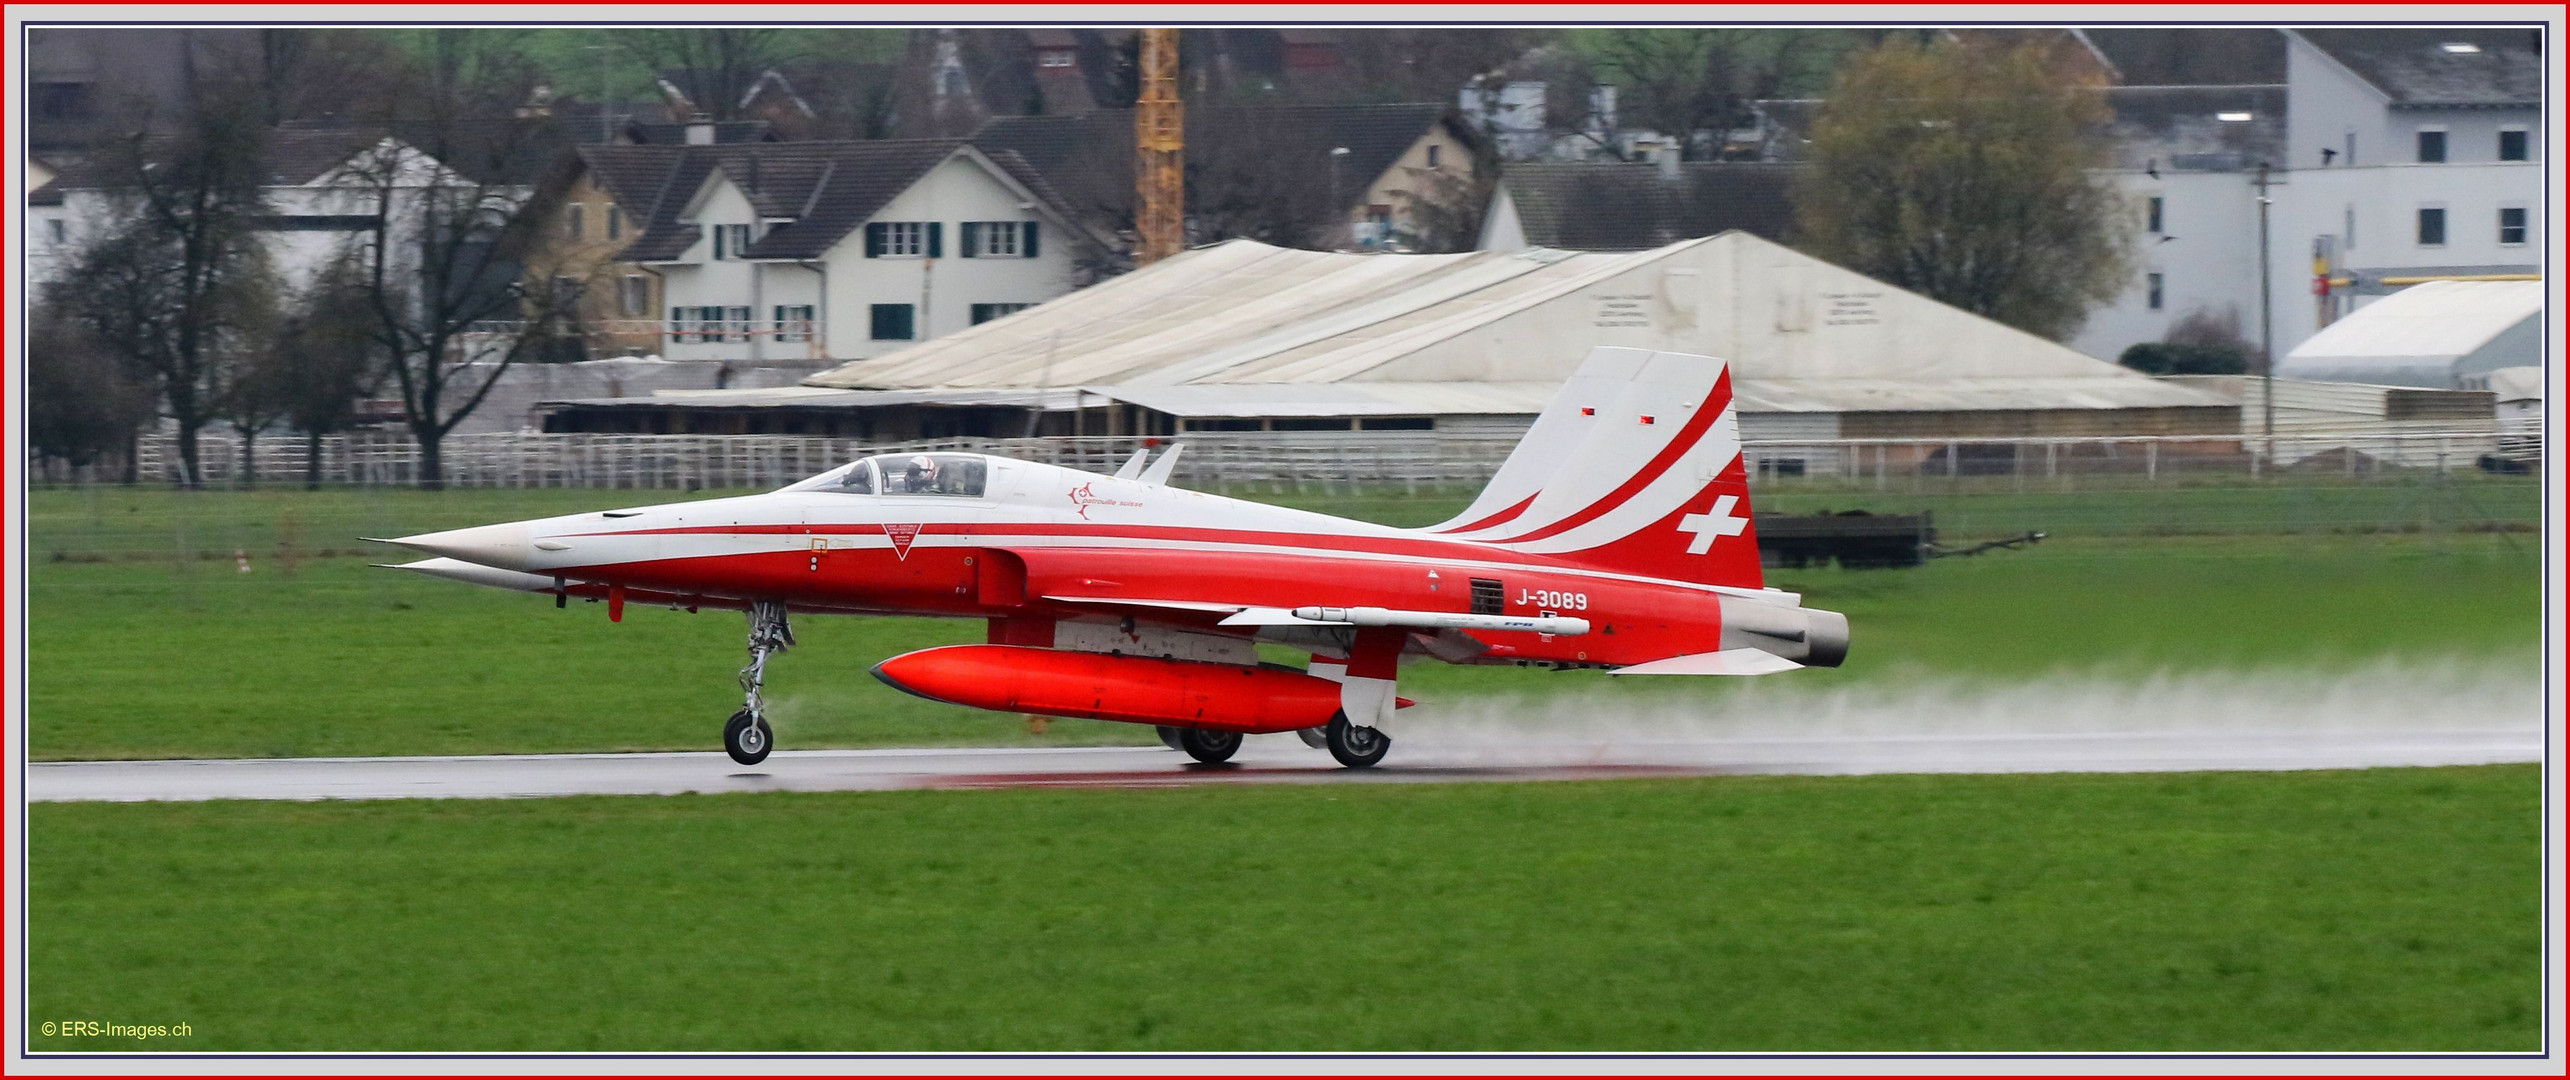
(2266, 321)
(1159, 134)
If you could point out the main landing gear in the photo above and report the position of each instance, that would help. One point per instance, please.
(1204, 744)
(746, 736)
(1355, 747)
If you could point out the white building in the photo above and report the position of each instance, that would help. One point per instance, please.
(2402, 154)
(321, 196)
(843, 250)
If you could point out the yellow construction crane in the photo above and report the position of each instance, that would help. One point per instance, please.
(1159, 144)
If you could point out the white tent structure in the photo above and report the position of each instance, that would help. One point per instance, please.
(1241, 329)
(1244, 336)
(2446, 335)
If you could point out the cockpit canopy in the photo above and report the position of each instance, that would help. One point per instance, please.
(963, 476)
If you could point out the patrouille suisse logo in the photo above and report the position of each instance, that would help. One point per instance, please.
(901, 536)
(1084, 497)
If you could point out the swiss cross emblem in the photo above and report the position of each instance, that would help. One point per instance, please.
(901, 536)
(1723, 520)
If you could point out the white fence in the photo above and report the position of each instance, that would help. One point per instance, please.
(1282, 461)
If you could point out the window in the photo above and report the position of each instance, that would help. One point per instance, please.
(2431, 226)
(633, 296)
(709, 323)
(1434, 154)
(575, 220)
(615, 222)
(730, 241)
(1055, 58)
(794, 322)
(2158, 291)
(962, 475)
(903, 239)
(983, 313)
(990, 240)
(56, 232)
(2512, 225)
(2431, 144)
(890, 322)
(2511, 144)
(2157, 204)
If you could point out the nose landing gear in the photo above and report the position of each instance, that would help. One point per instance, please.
(746, 735)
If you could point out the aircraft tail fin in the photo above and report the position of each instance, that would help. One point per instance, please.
(1635, 467)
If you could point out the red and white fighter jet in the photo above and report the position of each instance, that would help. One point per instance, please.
(1617, 536)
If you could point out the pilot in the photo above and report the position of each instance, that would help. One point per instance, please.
(922, 475)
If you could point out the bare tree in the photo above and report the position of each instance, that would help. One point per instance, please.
(181, 279)
(83, 405)
(451, 227)
(715, 66)
(255, 388)
(326, 360)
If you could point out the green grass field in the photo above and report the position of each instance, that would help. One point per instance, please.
(145, 641)
(2389, 910)
(2375, 910)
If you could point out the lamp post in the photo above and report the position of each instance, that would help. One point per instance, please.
(2266, 322)
(1343, 227)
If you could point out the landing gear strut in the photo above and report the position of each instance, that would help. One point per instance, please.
(746, 736)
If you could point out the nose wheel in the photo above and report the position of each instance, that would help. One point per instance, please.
(746, 735)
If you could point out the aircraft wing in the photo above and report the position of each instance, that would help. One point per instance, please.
(1213, 607)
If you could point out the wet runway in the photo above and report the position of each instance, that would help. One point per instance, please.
(1276, 759)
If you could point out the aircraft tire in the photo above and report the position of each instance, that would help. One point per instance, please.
(1169, 736)
(1318, 738)
(1208, 745)
(1356, 747)
(747, 738)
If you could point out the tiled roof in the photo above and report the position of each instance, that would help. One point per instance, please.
(1615, 206)
(725, 132)
(2415, 69)
(2191, 55)
(1375, 137)
(825, 188)
(294, 156)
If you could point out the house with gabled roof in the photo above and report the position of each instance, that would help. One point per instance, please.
(841, 250)
(318, 193)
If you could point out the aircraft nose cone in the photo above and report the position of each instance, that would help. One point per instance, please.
(503, 546)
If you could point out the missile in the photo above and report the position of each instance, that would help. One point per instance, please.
(1422, 620)
(1104, 686)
